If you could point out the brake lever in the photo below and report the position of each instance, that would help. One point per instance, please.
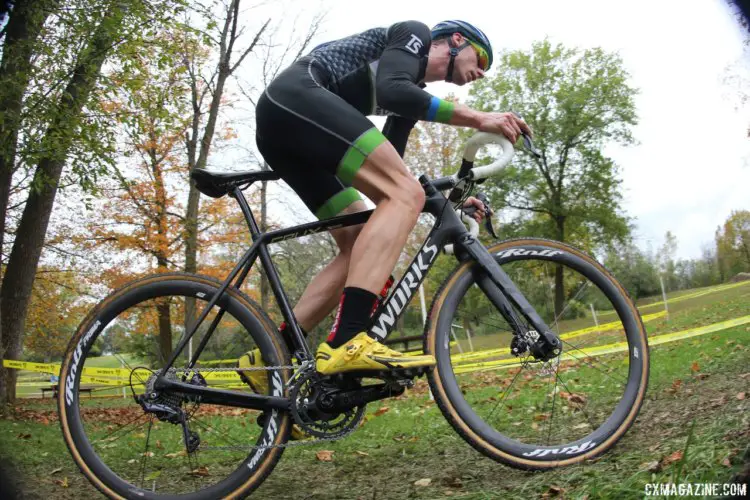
(488, 213)
(527, 140)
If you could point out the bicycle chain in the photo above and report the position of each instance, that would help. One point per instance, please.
(288, 444)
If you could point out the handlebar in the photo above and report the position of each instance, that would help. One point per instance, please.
(479, 140)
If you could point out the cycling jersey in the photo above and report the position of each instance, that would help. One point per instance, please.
(311, 120)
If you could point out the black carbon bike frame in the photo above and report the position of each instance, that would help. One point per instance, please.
(448, 228)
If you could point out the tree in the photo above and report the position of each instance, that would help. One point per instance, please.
(58, 123)
(733, 244)
(54, 313)
(144, 214)
(27, 247)
(197, 154)
(576, 102)
(273, 59)
(667, 263)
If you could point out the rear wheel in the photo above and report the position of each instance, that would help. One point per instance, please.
(129, 452)
(527, 413)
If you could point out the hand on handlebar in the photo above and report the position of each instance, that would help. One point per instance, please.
(510, 125)
(477, 213)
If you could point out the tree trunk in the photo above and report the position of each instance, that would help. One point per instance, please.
(559, 282)
(165, 330)
(22, 32)
(27, 248)
(193, 207)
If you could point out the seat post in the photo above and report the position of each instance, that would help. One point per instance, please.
(246, 211)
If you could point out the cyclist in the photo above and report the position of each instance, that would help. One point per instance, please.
(312, 129)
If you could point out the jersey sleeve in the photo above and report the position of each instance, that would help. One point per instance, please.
(399, 70)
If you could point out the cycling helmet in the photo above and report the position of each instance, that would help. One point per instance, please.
(476, 36)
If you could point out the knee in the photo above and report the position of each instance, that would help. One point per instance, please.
(411, 195)
(345, 239)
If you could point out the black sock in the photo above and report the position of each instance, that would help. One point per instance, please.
(353, 315)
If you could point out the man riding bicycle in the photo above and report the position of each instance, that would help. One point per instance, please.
(312, 130)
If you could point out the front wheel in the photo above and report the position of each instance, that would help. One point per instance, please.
(520, 411)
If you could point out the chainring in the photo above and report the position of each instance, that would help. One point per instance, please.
(304, 393)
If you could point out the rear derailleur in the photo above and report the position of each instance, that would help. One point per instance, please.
(168, 407)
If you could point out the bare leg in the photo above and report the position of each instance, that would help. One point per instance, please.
(385, 179)
(323, 293)
(367, 263)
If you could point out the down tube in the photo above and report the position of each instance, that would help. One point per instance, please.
(386, 316)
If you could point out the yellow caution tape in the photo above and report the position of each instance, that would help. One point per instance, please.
(122, 376)
(611, 348)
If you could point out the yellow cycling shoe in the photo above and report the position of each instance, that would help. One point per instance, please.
(258, 382)
(256, 379)
(363, 353)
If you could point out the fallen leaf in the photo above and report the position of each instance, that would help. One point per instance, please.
(148, 454)
(702, 376)
(362, 453)
(201, 471)
(423, 482)
(726, 462)
(741, 395)
(540, 416)
(181, 453)
(24, 435)
(56, 470)
(324, 456)
(674, 457)
(62, 482)
(676, 385)
(453, 482)
(555, 491)
(158, 445)
(695, 367)
(381, 411)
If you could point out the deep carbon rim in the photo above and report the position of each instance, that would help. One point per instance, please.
(496, 444)
(249, 472)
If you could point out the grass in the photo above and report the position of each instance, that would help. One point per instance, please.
(695, 383)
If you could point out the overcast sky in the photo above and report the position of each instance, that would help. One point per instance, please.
(691, 166)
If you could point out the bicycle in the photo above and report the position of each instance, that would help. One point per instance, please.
(530, 305)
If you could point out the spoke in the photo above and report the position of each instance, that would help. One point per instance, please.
(212, 429)
(585, 360)
(143, 456)
(554, 398)
(137, 418)
(575, 297)
(505, 394)
(485, 322)
(585, 413)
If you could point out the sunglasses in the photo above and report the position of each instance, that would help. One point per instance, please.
(483, 60)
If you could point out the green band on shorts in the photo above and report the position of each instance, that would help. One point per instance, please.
(337, 203)
(356, 154)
